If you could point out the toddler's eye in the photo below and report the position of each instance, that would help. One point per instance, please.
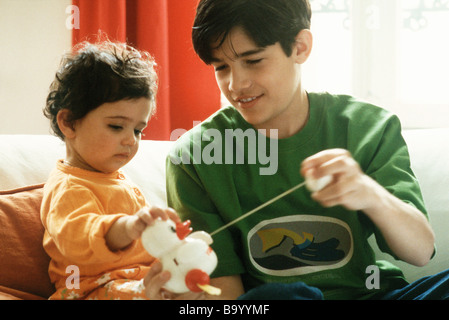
(116, 128)
(139, 132)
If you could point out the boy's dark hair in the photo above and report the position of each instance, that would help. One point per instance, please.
(265, 21)
(95, 74)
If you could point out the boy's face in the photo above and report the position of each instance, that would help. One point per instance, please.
(263, 84)
(108, 137)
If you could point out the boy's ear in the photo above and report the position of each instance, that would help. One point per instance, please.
(67, 127)
(303, 46)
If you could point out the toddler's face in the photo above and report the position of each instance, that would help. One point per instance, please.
(108, 137)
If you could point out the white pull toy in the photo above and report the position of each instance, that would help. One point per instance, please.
(188, 257)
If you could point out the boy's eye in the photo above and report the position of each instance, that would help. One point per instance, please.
(256, 61)
(137, 132)
(219, 68)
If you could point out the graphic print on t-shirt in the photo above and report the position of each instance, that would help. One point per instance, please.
(300, 244)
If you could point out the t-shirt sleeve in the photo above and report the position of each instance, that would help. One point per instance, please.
(77, 223)
(389, 164)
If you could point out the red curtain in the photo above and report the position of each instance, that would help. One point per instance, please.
(187, 89)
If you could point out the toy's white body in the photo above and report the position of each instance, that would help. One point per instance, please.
(180, 254)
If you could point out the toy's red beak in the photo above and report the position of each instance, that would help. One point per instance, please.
(183, 229)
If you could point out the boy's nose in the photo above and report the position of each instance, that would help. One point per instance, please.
(239, 81)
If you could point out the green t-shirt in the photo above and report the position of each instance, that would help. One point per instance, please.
(224, 168)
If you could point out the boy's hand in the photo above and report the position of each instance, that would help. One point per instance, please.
(155, 280)
(350, 187)
(145, 217)
(405, 229)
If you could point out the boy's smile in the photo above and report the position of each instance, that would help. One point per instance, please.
(246, 103)
(263, 84)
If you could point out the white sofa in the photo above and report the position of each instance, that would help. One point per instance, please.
(28, 159)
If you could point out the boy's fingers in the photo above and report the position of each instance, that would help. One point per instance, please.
(327, 162)
(154, 281)
(155, 269)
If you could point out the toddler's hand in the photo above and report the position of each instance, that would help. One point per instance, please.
(146, 217)
(128, 228)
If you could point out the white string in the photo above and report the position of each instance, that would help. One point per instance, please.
(259, 208)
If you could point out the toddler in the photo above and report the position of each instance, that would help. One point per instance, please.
(99, 104)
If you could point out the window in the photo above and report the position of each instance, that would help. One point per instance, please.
(392, 53)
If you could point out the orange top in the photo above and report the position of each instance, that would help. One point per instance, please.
(77, 210)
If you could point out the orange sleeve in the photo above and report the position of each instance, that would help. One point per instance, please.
(77, 223)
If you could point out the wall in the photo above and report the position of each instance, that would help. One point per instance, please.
(33, 36)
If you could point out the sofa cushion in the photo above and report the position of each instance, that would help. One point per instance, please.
(28, 159)
(26, 267)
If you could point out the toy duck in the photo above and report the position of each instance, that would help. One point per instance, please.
(187, 256)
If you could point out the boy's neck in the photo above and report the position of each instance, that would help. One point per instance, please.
(294, 119)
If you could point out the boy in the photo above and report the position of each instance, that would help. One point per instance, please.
(310, 245)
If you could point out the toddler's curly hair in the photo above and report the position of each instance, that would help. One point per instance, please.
(97, 73)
